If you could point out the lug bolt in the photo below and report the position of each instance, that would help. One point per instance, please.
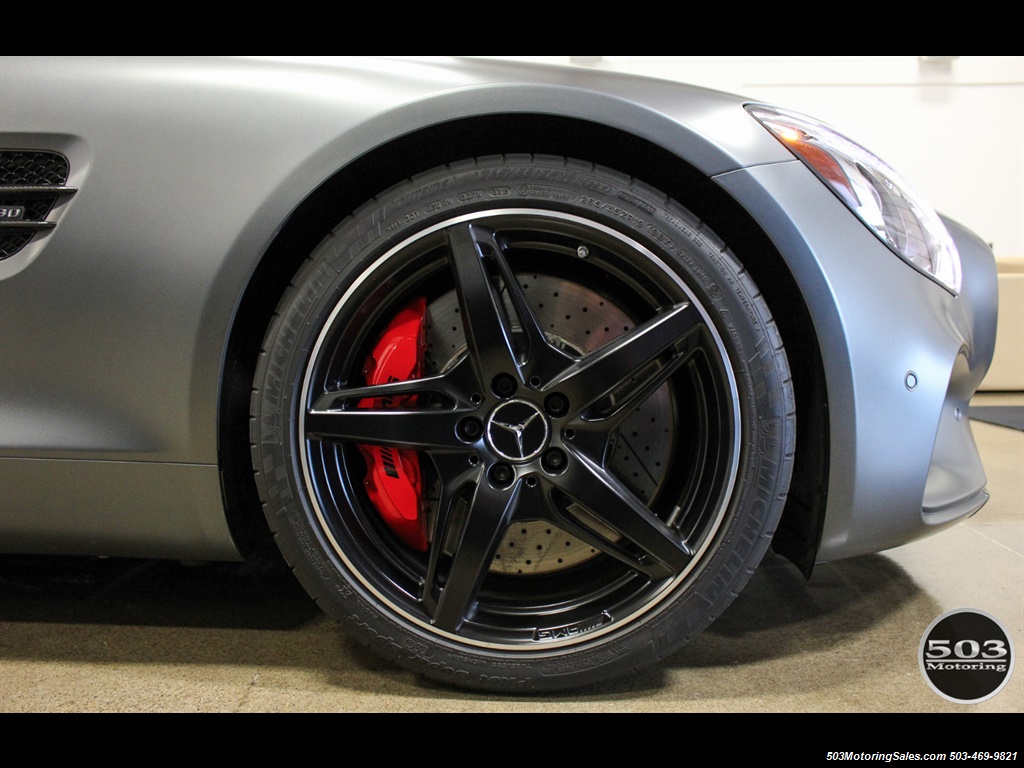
(470, 429)
(501, 475)
(554, 460)
(556, 404)
(503, 385)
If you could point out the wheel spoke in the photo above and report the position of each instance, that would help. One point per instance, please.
(418, 429)
(454, 384)
(336, 399)
(496, 339)
(538, 359)
(456, 474)
(622, 373)
(661, 550)
(384, 424)
(482, 528)
(488, 329)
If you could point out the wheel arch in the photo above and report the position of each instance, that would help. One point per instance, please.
(420, 150)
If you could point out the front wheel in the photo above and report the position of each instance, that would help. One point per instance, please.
(523, 424)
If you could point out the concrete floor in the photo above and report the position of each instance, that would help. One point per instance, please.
(149, 636)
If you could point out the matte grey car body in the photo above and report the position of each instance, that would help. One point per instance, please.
(130, 330)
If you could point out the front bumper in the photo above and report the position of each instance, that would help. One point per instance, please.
(902, 358)
(955, 487)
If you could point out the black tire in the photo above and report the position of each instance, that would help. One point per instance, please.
(585, 524)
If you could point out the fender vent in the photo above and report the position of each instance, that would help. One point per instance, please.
(31, 183)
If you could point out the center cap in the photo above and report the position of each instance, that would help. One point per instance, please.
(517, 430)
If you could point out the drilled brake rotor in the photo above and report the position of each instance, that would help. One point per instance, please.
(579, 321)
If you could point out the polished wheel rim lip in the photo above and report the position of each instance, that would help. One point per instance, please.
(655, 595)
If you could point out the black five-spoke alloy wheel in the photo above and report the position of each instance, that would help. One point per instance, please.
(522, 423)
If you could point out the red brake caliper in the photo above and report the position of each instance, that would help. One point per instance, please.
(393, 479)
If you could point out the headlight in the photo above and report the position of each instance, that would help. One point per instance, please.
(872, 190)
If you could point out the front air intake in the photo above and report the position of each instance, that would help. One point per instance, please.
(31, 184)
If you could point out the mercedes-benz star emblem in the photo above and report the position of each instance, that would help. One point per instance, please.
(517, 430)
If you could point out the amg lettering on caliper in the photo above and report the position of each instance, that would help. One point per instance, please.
(393, 481)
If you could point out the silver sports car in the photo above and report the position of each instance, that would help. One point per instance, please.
(523, 368)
